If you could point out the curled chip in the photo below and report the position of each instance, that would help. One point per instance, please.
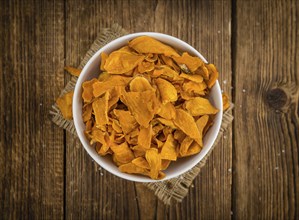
(148, 107)
(73, 71)
(64, 104)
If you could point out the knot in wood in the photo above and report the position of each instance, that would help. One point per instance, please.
(276, 98)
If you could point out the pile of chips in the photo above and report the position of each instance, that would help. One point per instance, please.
(148, 107)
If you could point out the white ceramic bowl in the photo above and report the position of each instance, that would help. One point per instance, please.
(91, 70)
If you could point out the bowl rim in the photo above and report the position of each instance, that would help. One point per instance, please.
(81, 135)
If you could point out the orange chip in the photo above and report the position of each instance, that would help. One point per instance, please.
(157, 128)
(141, 162)
(225, 101)
(144, 67)
(114, 96)
(87, 87)
(167, 111)
(193, 63)
(186, 123)
(121, 61)
(167, 91)
(145, 137)
(64, 104)
(103, 76)
(197, 88)
(154, 161)
(165, 164)
(140, 84)
(203, 71)
(99, 88)
(104, 57)
(185, 145)
(123, 154)
(116, 126)
(100, 109)
(87, 111)
(200, 106)
(169, 62)
(193, 149)
(142, 105)
(179, 136)
(201, 124)
(73, 71)
(167, 122)
(126, 120)
(169, 151)
(145, 44)
(133, 169)
(192, 77)
(213, 72)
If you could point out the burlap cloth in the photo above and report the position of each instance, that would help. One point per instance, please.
(169, 191)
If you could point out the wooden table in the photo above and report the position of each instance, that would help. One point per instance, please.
(254, 171)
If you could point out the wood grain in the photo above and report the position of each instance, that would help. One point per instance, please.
(31, 147)
(265, 178)
(252, 174)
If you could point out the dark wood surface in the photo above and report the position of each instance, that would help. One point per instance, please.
(252, 174)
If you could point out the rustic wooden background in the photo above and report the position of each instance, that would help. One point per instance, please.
(252, 174)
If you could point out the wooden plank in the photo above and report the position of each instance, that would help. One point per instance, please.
(93, 193)
(266, 173)
(96, 193)
(31, 147)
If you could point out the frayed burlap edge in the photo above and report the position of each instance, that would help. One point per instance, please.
(169, 191)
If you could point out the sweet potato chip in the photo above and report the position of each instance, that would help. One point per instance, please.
(123, 154)
(73, 71)
(126, 120)
(193, 149)
(213, 72)
(140, 84)
(179, 136)
(169, 151)
(141, 162)
(100, 109)
(64, 104)
(200, 106)
(99, 88)
(145, 137)
(169, 62)
(87, 93)
(167, 122)
(142, 105)
(194, 87)
(186, 123)
(119, 62)
(133, 169)
(192, 77)
(193, 63)
(167, 91)
(145, 44)
(185, 146)
(87, 111)
(167, 111)
(165, 164)
(104, 57)
(154, 161)
(201, 124)
(144, 67)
